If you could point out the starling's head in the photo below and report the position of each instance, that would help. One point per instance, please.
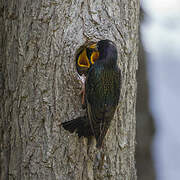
(107, 52)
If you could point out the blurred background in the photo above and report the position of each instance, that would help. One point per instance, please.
(158, 98)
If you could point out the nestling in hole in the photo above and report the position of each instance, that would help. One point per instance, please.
(86, 57)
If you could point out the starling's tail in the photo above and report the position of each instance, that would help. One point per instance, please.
(78, 125)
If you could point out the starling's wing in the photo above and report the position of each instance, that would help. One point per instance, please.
(117, 85)
(102, 96)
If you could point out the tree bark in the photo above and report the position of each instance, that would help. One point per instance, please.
(39, 89)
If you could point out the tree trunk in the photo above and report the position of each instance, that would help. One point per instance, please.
(39, 89)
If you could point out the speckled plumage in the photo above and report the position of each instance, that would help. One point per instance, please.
(102, 95)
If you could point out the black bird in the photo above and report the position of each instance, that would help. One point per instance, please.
(102, 91)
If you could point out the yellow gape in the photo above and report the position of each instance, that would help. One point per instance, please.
(94, 56)
(83, 61)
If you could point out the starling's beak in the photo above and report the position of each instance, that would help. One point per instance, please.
(94, 47)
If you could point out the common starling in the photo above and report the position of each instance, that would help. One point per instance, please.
(102, 91)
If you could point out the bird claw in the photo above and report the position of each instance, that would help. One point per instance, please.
(82, 78)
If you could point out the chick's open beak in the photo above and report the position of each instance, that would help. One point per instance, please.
(94, 56)
(83, 61)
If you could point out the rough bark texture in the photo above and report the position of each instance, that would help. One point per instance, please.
(39, 89)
